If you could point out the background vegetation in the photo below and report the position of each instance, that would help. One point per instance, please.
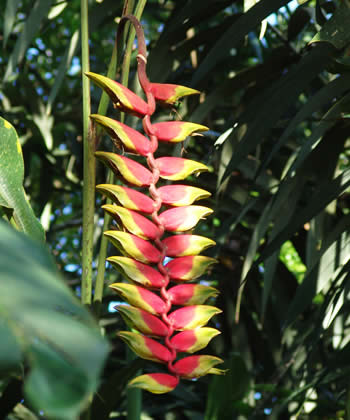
(275, 83)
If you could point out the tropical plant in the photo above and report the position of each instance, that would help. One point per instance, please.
(273, 77)
(149, 312)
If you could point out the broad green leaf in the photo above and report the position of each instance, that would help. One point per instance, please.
(62, 70)
(9, 346)
(31, 26)
(12, 194)
(336, 30)
(41, 319)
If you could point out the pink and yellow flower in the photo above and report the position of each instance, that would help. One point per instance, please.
(148, 235)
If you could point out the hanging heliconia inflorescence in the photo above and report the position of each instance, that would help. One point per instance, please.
(152, 235)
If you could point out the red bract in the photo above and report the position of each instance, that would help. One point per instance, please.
(196, 366)
(188, 268)
(181, 245)
(193, 340)
(134, 222)
(131, 171)
(131, 139)
(145, 240)
(191, 294)
(169, 94)
(181, 195)
(122, 97)
(138, 272)
(127, 197)
(135, 247)
(175, 168)
(176, 131)
(180, 219)
(143, 321)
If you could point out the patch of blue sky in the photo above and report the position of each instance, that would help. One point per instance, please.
(166, 260)
(63, 240)
(40, 43)
(205, 283)
(72, 268)
(67, 209)
(272, 19)
(111, 306)
(75, 67)
(33, 51)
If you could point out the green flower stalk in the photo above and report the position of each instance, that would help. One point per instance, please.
(156, 222)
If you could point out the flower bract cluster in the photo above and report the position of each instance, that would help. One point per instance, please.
(159, 255)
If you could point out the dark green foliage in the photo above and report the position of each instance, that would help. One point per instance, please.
(278, 109)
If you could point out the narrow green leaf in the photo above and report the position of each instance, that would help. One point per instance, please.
(329, 120)
(9, 18)
(235, 34)
(62, 70)
(272, 209)
(45, 124)
(31, 26)
(312, 284)
(57, 9)
(224, 390)
(322, 97)
(11, 182)
(326, 192)
(268, 107)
